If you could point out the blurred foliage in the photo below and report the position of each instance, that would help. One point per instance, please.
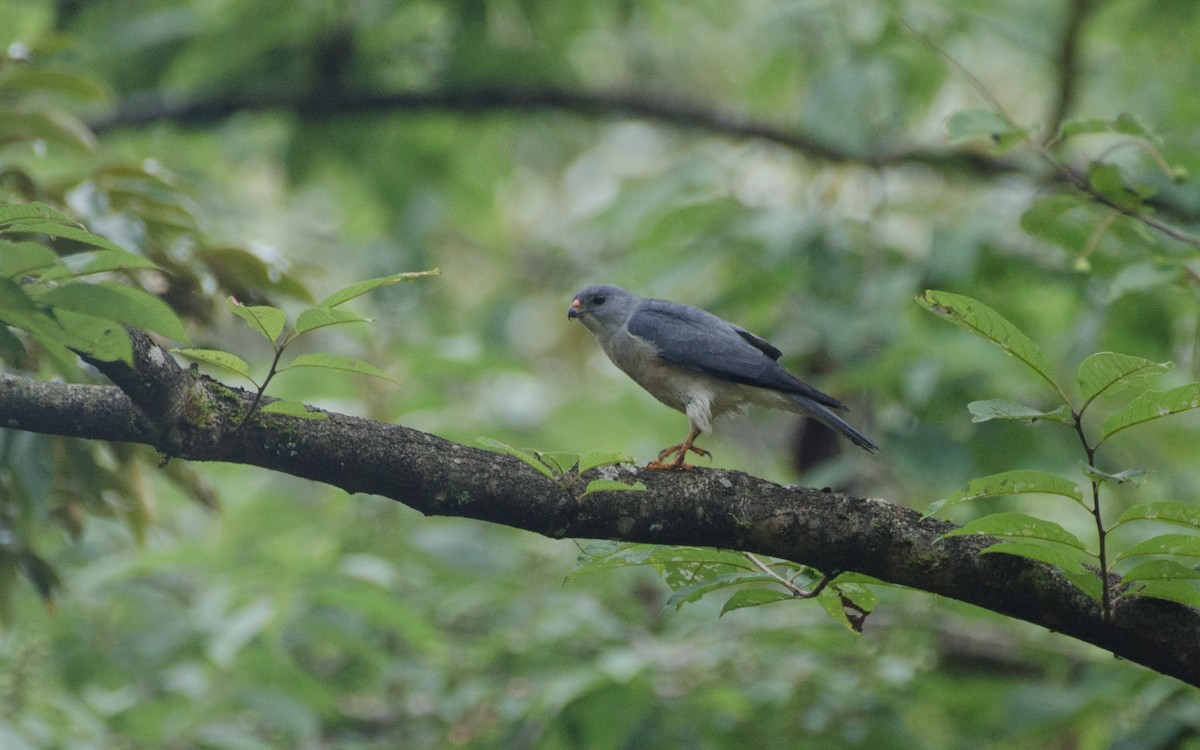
(301, 618)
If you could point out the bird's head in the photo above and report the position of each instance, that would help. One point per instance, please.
(602, 309)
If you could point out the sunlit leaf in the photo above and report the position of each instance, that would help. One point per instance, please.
(1174, 513)
(1152, 405)
(321, 317)
(1184, 545)
(1019, 526)
(218, 358)
(753, 598)
(988, 324)
(1016, 482)
(337, 362)
(362, 287)
(1068, 563)
(998, 408)
(1109, 372)
(264, 320)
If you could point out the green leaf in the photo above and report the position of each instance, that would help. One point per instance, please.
(66, 232)
(1106, 180)
(830, 600)
(1066, 561)
(998, 408)
(19, 258)
(218, 358)
(19, 311)
(971, 124)
(24, 79)
(337, 362)
(11, 212)
(11, 348)
(1124, 123)
(596, 459)
(102, 261)
(98, 338)
(322, 317)
(988, 324)
(293, 409)
(264, 320)
(528, 456)
(611, 485)
(697, 590)
(1086, 127)
(1016, 482)
(1152, 405)
(1180, 592)
(362, 287)
(1133, 476)
(1160, 570)
(54, 126)
(1175, 513)
(1184, 545)
(123, 304)
(560, 462)
(1067, 220)
(753, 598)
(41, 574)
(1017, 525)
(606, 555)
(1106, 371)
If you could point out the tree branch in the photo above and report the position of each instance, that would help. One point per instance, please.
(1067, 65)
(713, 508)
(140, 110)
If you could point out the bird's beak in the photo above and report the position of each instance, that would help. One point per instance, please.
(573, 310)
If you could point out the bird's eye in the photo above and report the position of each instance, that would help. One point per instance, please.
(598, 299)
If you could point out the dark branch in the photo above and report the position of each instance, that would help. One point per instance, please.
(137, 111)
(1067, 65)
(142, 110)
(726, 509)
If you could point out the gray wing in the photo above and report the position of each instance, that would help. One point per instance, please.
(696, 340)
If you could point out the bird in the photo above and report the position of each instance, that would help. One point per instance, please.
(699, 364)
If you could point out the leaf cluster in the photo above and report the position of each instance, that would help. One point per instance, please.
(695, 572)
(1162, 571)
(269, 323)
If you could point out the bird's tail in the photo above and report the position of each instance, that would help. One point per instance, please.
(833, 421)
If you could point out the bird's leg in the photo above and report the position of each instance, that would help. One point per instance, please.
(681, 450)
